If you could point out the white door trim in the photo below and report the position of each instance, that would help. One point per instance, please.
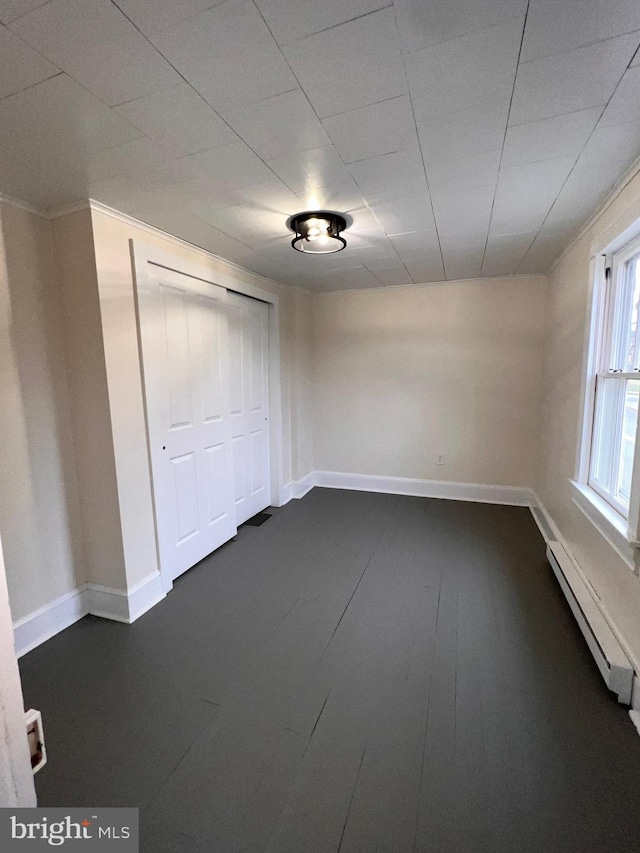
(142, 253)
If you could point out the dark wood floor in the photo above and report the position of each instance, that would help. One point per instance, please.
(363, 672)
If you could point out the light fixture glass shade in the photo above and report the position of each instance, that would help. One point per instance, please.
(318, 232)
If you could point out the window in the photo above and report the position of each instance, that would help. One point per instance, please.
(617, 380)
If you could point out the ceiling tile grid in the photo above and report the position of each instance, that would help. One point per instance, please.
(465, 138)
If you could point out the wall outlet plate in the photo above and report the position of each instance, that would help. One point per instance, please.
(35, 735)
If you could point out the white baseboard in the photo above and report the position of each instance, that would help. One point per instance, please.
(477, 492)
(121, 606)
(47, 621)
(301, 487)
(90, 599)
(286, 494)
(297, 488)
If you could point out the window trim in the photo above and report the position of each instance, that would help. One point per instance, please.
(621, 533)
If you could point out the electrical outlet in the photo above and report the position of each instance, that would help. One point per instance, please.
(440, 460)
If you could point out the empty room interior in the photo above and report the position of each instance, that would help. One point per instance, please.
(331, 553)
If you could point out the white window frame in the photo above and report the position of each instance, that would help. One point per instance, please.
(619, 527)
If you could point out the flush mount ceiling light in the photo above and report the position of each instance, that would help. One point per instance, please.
(318, 231)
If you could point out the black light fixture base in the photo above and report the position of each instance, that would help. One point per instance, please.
(318, 231)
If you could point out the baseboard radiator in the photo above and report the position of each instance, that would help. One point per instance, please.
(605, 648)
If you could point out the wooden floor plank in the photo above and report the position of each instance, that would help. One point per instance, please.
(363, 672)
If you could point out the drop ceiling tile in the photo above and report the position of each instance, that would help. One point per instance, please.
(144, 161)
(58, 120)
(278, 125)
(553, 26)
(357, 278)
(524, 194)
(586, 186)
(477, 170)
(382, 174)
(571, 81)
(463, 262)
(414, 213)
(366, 232)
(12, 9)
(228, 54)
(466, 72)
(240, 223)
(179, 119)
(350, 66)
(463, 240)
(614, 142)
(361, 248)
(306, 171)
(229, 167)
(161, 15)
(373, 130)
(390, 276)
(427, 268)
(463, 210)
(425, 22)
(464, 133)
(503, 255)
(38, 183)
(549, 138)
(625, 104)
(271, 197)
(414, 244)
(556, 224)
(290, 20)
(344, 197)
(93, 42)
(542, 254)
(20, 65)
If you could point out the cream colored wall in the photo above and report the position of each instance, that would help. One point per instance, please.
(115, 282)
(565, 336)
(404, 374)
(88, 396)
(38, 497)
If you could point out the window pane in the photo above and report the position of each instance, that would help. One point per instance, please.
(630, 327)
(604, 435)
(629, 424)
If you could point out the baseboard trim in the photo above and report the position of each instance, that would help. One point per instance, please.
(475, 492)
(45, 622)
(125, 606)
(297, 488)
(300, 487)
(89, 599)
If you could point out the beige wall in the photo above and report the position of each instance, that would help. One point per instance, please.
(38, 497)
(404, 374)
(566, 324)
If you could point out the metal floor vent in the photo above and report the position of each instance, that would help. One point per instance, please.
(257, 520)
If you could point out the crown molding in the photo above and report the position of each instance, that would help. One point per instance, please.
(92, 204)
(22, 205)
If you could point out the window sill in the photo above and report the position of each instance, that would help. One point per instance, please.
(606, 520)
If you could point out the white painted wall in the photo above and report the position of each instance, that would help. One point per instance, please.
(39, 520)
(404, 374)
(565, 336)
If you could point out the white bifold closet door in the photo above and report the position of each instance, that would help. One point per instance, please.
(249, 388)
(183, 327)
(206, 384)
